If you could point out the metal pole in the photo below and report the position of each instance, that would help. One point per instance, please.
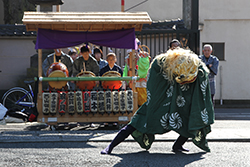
(221, 100)
(122, 5)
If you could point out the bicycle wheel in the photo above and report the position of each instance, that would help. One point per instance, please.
(11, 97)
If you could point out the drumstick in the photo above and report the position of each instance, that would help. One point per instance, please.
(54, 58)
(84, 66)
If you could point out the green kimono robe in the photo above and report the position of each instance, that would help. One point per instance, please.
(187, 109)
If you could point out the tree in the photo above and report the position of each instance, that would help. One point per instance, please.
(14, 9)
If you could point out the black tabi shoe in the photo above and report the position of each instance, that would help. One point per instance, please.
(107, 150)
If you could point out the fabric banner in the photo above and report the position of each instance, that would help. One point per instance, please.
(53, 39)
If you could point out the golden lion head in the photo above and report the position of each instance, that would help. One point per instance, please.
(180, 64)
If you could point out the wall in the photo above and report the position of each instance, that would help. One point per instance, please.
(225, 21)
(228, 22)
(15, 56)
(158, 10)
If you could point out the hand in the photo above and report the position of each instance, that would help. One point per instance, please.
(97, 83)
(210, 65)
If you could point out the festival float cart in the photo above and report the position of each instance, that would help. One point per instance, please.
(66, 29)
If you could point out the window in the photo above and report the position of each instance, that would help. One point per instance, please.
(218, 49)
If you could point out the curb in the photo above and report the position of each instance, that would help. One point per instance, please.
(109, 140)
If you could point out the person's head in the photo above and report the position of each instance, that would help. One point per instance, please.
(58, 52)
(98, 54)
(85, 51)
(207, 50)
(73, 54)
(174, 44)
(138, 42)
(111, 59)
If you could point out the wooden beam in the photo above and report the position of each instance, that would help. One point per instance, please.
(133, 69)
(108, 20)
(40, 86)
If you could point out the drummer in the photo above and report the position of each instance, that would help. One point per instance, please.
(56, 56)
(111, 66)
(73, 53)
(85, 62)
(97, 52)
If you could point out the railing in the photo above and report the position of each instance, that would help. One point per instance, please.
(158, 42)
(87, 78)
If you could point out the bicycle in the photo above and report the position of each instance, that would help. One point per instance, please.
(19, 98)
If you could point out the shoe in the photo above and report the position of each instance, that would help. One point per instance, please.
(107, 150)
(180, 149)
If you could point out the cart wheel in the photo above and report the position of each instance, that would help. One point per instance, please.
(52, 127)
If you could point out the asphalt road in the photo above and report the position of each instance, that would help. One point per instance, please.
(29, 146)
(127, 154)
(232, 113)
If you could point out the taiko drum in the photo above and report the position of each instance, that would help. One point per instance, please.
(85, 84)
(57, 69)
(111, 84)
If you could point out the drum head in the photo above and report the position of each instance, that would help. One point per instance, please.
(111, 84)
(57, 84)
(85, 84)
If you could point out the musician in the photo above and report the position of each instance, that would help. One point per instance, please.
(55, 57)
(73, 53)
(111, 66)
(99, 57)
(85, 62)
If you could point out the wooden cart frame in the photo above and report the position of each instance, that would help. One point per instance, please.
(91, 21)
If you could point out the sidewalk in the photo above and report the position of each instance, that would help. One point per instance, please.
(222, 130)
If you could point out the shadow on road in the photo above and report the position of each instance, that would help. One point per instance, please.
(70, 126)
(39, 133)
(53, 145)
(145, 158)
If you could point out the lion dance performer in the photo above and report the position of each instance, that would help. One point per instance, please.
(178, 99)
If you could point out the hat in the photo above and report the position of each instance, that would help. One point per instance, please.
(71, 51)
(173, 41)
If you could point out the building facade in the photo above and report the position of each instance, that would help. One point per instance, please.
(224, 24)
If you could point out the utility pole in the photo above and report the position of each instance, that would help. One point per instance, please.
(186, 13)
(190, 12)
